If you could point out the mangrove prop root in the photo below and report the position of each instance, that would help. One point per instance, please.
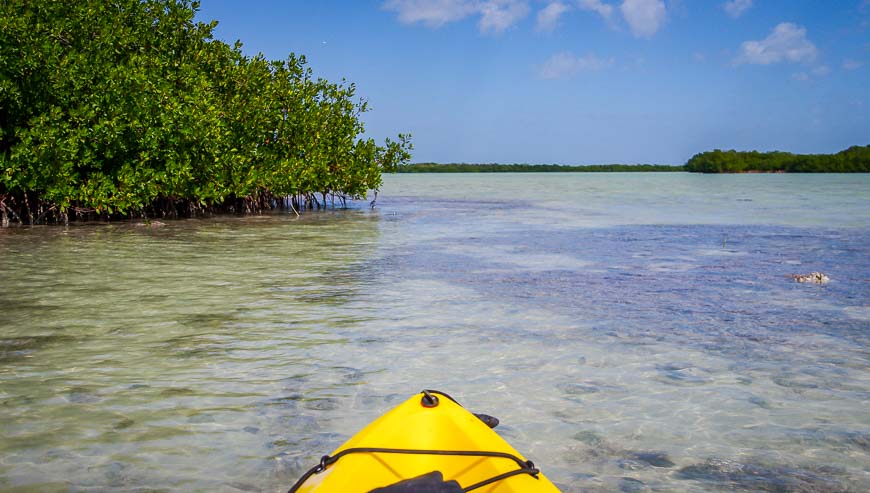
(29, 208)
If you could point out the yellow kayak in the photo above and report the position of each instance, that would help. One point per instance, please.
(428, 443)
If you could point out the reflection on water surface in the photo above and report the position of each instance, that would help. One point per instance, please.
(632, 333)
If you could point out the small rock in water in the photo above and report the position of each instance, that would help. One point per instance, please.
(631, 485)
(56, 454)
(589, 438)
(812, 277)
(251, 429)
(81, 396)
(655, 459)
(354, 376)
(738, 476)
(760, 402)
(123, 424)
(859, 439)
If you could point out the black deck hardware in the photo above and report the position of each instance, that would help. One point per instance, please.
(525, 466)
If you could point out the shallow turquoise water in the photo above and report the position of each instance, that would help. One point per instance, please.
(633, 332)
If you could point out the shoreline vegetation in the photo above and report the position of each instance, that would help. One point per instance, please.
(531, 168)
(130, 109)
(855, 159)
(123, 109)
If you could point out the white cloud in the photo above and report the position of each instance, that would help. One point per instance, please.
(495, 15)
(548, 17)
(432, 13)
(787, 42)
(498, 15)
(603, 9)
(565, 64)
(849, 64)
(644, 17)
(735, 8)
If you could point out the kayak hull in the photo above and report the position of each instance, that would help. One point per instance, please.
(418, 426)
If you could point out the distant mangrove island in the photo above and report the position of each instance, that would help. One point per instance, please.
(855, 159)
(530, 168)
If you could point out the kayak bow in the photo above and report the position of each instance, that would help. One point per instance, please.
(428, 443)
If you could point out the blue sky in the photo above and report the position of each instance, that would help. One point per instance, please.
(582, 81)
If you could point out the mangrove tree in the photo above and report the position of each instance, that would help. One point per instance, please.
(131, 108)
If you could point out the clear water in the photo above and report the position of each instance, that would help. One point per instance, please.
(633, 332)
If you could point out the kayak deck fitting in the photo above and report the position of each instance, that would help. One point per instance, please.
(426, 444)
